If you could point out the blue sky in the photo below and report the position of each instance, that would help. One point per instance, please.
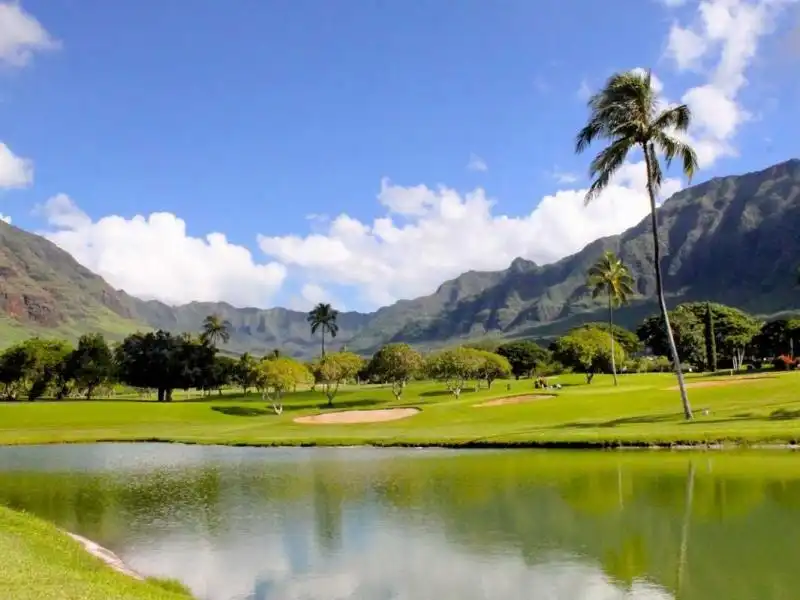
(266, 121)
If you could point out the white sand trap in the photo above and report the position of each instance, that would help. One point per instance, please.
(514, 400)
(724, 382)
(347, 417)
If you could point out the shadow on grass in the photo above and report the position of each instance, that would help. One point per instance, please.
(435, 393)
(341, 404)
(621, 421)
(784, 414)
(243, 411)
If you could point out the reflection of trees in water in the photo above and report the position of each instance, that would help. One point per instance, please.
(328, 500)
(705, 532)
(687, 518)
(628, 562)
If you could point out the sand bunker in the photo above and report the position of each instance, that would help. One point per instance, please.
(347, 417)
(514, 400)
(723, 382)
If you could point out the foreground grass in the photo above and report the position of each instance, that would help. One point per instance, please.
(39, 561)
(643, 410)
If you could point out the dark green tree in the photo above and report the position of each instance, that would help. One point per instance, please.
(91, 364)
(710, 339)
(246, 372)
(33, 367)
(626, 113)
(524, 356)
(164, 362)
(777, 337)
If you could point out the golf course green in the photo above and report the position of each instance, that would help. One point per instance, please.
(643, 410)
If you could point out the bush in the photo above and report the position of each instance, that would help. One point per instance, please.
(784, 363)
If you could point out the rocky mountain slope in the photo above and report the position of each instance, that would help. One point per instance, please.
(43, 290)
(733, 239)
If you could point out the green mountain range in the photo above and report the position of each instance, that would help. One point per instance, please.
(734, 240)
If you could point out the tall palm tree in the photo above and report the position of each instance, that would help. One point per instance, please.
(216, 329)
(611, 277)
(626, 113)
(323, 318)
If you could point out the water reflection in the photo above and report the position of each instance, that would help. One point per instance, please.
(307, 524)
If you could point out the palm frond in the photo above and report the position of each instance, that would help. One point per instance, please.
(609, 276)
(673, 148)
(605, 164)
(678, 118)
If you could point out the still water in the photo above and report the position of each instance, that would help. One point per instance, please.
(374, 524)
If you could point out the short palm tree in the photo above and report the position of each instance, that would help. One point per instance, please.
(626, 114)
(322, 318)
(611, 277)
(216, 329)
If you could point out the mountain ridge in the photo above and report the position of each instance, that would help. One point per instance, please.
(704, 228)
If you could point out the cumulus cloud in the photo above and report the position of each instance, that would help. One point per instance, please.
(153, 257)
(394, 560)
(15, 172)
(429, 235)
(5, 219)
(21, 35)
(312, 294)
(720, 41)
(476, 163)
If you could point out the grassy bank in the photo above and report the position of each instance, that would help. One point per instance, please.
(642, 410)
(37, 561)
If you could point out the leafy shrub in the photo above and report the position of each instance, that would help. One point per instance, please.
(784, 363)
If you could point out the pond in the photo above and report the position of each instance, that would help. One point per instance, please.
(381, 524)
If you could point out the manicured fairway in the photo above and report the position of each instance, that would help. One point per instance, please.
(643, 409)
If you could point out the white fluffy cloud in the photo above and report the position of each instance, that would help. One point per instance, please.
(429, 235)
(21, 35)
(396, 560)
(5, 219)
(153, 257)
(720, 42)
(15, 172)
(312, 294)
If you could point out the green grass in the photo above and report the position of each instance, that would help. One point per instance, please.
(643, 410)
(39, 561)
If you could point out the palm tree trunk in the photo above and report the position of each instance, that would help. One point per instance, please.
(611, 334)
(323, 342)
(687, 409)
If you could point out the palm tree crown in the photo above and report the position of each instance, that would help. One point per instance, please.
(611, 277)
(322, 318)
(216, 329)
(626, 113)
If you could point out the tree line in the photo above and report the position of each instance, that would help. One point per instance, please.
(708, 335)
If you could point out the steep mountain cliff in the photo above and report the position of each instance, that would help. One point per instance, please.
(732, 239)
